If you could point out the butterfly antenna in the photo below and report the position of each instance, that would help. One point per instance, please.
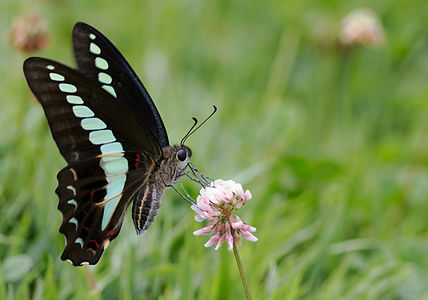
(191, 131)
(188, 133)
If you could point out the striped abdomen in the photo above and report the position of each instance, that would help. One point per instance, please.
(146, 205)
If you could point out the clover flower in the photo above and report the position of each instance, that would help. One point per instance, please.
(29, 33)
(361, 27)
(217, 203)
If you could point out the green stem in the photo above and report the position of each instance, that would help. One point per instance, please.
(241, 271)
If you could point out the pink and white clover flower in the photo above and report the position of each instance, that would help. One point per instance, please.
(217, 203)
(362, 27)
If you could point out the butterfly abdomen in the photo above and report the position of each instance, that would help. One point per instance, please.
(146, 205)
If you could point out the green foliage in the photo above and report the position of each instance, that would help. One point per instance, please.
(332, 146)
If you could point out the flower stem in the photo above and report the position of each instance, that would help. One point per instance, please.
(241, 271)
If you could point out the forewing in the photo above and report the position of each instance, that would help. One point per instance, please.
(97, 58)
(82, 116)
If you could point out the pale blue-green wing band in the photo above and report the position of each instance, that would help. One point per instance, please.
(82, 111)
(94, 49)
(115, 187)
(101, 63)
(74, 99)
(67, 88)
(92, 124)
(112, 148)
(101, 137)
(110, 89)
(104, 78)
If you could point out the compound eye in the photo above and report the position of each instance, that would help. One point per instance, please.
(181, 155)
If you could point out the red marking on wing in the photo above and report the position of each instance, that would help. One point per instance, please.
(111, 232)
(92, 193)
(84, 211)
(86, 228)
(137, 163)
(95, 242)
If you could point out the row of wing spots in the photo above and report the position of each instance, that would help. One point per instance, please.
(83, 232)
(102, 64)
(72, 201)
(73, 220)
(112, 161)
(80, 111)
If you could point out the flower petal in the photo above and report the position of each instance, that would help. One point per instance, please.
(214, 239)
(220, 242)
(204, 231)
(237, 223)
(229, 239)
(248, 236)
(198, 218)
(249, 228)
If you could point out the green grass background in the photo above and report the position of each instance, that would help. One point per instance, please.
(334, 149)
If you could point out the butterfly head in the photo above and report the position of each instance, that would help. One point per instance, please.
(177, 159)
(183, 155)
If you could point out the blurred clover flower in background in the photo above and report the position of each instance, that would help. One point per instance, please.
(29, 33)
(361, 27)
(217, 203)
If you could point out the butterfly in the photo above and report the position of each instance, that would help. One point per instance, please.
(113, 139)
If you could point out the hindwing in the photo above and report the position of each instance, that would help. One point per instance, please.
(94, 205)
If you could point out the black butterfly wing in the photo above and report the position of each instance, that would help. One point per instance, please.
(98, 59)
(93, 206)
(110, 155)
(72, 102)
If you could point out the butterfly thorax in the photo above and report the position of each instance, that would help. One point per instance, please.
(148, 199)
(171, 167)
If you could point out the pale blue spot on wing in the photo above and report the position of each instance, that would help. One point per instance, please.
(114, 190)
(115, 186)
(114, 165)
(79, 241)
(50, 67)
(110, 89)
(67, 88)
(93, 48)
(82, 111)
(92, 124)
(101, 137)
(73, 99)
(101, 63)
(104, 78)
(111, 148)
(56, 77)
(71, 188)
(92, 36)
(74, 221)
(108, 211)
(72, 202)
